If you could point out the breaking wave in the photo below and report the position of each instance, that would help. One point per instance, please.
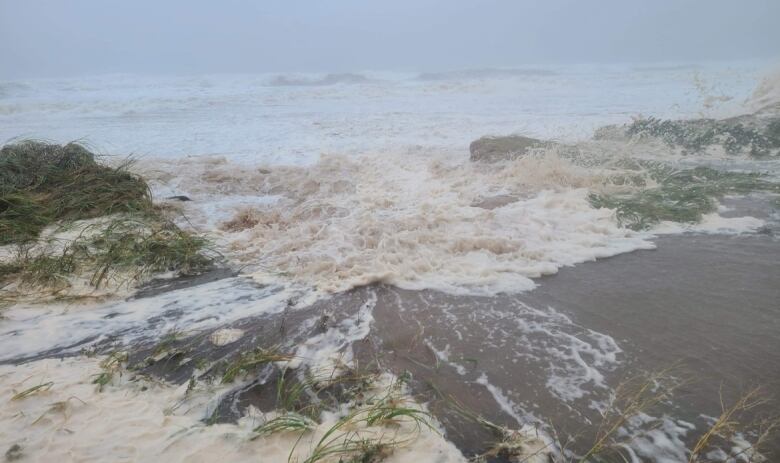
(488, 73)
(413, 220)
(766, 96)
(309, 81)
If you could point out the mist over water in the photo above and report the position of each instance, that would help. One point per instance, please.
(47, 38)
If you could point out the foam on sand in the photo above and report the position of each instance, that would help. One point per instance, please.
(154, 421)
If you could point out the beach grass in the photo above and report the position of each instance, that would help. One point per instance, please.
(123, 248)
(679, 195)
(286, 422)
(372, 432)
(695, 135)
(371, 423)
(739, 419)
(112, 365)
(43, 387)
(249, 361)
(632, 397)
(57, 188)
(42, 183)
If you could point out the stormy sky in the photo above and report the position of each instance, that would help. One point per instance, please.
(47, 38)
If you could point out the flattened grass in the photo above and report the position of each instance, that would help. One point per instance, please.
(143, 248)
(696, 135)
(43, 387)
(124, 250)
(344, 439)
(286, 422)
(248, 361)
(682, 196)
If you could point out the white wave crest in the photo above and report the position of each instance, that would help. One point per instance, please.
(411, 221)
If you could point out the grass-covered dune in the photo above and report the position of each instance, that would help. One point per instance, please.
(64, 215)
(43, 183)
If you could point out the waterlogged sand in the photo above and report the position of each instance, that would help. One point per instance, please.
(709, 303)
(706, 303)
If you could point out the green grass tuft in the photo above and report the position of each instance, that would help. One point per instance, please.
(144, 248)
(124, 249)
(344, 440)
(680, 195)
(248, 361)
(42, 183)
(696, 135)
(111, 365)
(21, 217)
(288, 422)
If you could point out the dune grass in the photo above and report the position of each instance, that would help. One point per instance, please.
(510, 444)
(742, 416)
(111, 366)
(52, 187)
(373, 419)
(248, 361)
(123, 249)
(367, 432)
(43, 387)
(695, 135)
(682, 196)
(371, 425)
(632, 397)
(146, 247)
(42, 183)
(371, 432)
(289, 394)
(286, 422)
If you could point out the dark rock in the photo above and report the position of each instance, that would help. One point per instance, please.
(494, 202)
(493, 149)
(164, 285)
(330, 79)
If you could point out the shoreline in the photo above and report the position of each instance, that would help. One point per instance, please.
(425, 333)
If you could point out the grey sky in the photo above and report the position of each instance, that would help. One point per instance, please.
(58, 37)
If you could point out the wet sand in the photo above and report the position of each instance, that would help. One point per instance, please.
(706, 304)
(710, 302)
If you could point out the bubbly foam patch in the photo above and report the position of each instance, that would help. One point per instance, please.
(410, 220)
(711, 223)
(30, 330)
